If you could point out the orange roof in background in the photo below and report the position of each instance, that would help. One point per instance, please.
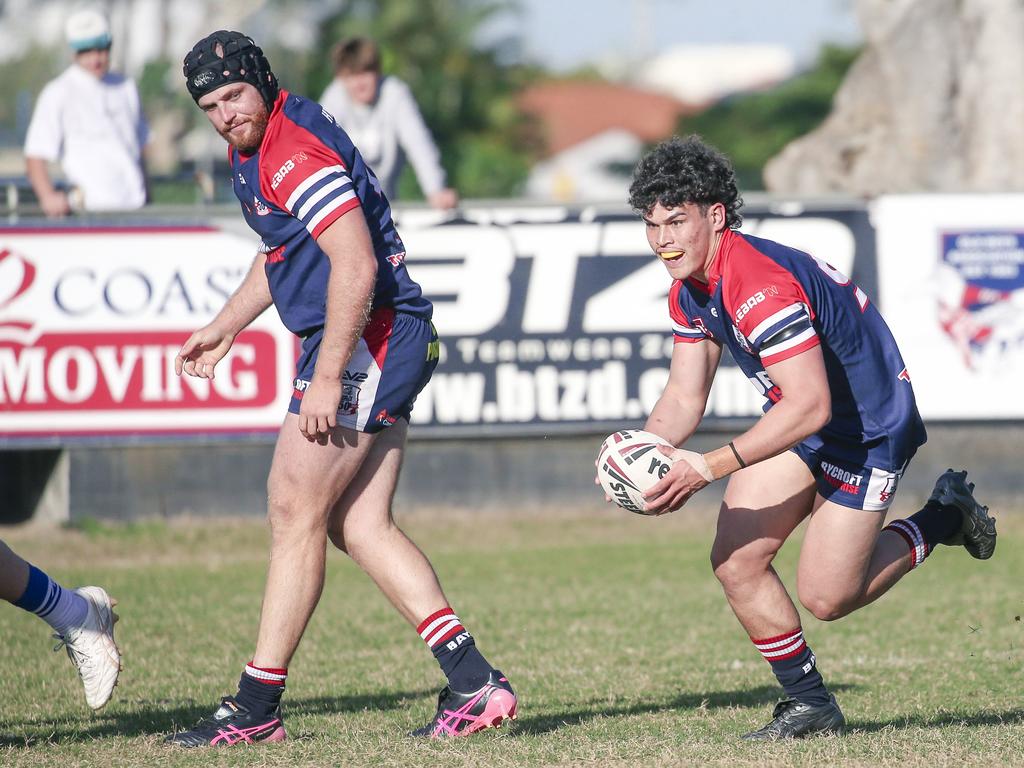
(571, 112)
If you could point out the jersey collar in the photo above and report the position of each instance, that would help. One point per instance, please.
(282, 96)
(717, 266)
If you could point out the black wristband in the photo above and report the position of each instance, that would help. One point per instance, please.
(739, 458)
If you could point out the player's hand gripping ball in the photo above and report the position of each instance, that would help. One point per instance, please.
(628, 464)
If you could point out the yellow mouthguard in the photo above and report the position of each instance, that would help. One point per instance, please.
(670, 254)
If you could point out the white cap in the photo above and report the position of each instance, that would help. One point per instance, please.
(87, 28)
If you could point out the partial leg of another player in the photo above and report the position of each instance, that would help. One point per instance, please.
(82, 620)
(763, 504)
(477, 696)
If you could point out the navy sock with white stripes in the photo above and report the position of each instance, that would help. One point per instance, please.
(61, 608)
(455, 650)
(260, 689)
(923, 530)
(794, 666)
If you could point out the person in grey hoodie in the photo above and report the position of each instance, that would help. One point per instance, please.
(380, 114)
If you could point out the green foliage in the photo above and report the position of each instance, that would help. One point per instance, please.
(751, 128)
(20, 87)
(465, 91)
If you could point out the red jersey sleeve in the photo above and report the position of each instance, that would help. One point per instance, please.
(771, 309)
(305, 177)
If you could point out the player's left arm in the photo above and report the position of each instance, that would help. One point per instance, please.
(348, 247)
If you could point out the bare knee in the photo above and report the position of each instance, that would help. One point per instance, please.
(360, 539)
(826, 606)
(735, 567)
(291, 517)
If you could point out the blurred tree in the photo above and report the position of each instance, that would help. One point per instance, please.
(464, 87)
(20, 87)
(752, 127)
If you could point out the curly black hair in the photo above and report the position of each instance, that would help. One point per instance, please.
(687, 170)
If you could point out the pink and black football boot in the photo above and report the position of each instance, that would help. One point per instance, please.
(231, 724)
(460, 714)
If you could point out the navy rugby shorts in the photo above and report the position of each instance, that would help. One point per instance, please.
(390, 364)
(842, 477)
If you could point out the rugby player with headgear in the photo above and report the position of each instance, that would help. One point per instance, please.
(333, 265)
(840, 425)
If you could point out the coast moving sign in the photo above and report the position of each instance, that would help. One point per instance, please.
(90, 322)
(549, 321)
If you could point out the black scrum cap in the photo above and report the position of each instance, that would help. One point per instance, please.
(228, 57)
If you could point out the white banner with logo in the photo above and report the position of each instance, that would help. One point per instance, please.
(951, 271)
(90, 322)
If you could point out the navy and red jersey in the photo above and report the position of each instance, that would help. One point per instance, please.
(307, 174)
(767, 302)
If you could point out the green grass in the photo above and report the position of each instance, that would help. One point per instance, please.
(611, 627)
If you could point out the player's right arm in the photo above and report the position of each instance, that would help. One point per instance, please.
(680, 408)
(204, 349)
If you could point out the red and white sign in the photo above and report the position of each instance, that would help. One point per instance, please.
(90, 322)
(951, 273)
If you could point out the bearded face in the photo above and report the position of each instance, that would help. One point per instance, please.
(239, 114)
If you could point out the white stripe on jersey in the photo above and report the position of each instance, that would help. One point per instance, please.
(333, 203)
(310, 180)
(682, 330)
(789, 343)
(321, 193)
(797, 310)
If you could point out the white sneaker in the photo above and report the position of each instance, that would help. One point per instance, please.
(91, 647)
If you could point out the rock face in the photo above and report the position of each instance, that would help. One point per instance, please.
(935, 103)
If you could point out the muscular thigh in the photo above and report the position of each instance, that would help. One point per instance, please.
(763, 504)
(312, 475)
(838, 547)
(368, 497)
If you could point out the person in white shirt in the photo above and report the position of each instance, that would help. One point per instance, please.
(91, 121)
(381, 117)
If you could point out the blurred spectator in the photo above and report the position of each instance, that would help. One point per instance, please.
(90, 120)
(381, 117)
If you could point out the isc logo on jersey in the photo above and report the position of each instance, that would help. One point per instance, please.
(748, 305)
(288, 167)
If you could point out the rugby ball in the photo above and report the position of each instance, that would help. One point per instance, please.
(628, 464)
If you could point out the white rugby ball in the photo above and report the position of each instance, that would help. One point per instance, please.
(628, 464)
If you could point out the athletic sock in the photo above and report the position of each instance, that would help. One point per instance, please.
(455, 650)
(923, 530)
(794, 666)
(61, 608)
(260, 689)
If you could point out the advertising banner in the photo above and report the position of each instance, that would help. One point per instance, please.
(558, 321)
(951, 270)
(90, 322)
(550, 321)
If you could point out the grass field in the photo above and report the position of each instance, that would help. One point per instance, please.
(611, 627)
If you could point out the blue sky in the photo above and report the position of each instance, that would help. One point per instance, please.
(563, 34)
